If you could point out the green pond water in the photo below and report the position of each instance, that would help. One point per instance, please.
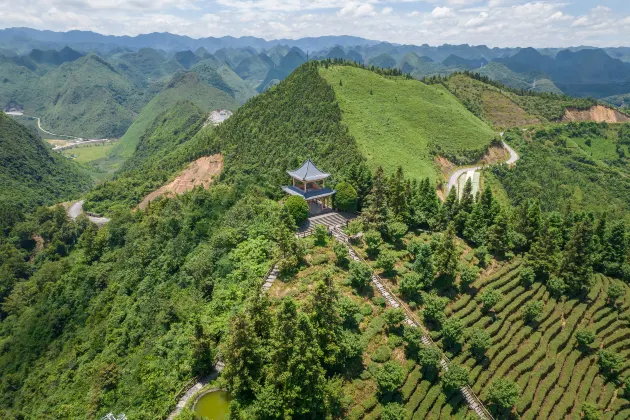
(214, 405)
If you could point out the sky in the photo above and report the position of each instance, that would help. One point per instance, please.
(496, 23)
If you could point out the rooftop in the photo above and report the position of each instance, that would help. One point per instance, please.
(308, 172)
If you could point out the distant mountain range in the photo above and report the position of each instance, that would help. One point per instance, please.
(92, 85)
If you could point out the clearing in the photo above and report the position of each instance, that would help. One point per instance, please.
(88, 153)
(200, 172)
(401, 122)
(596, 113)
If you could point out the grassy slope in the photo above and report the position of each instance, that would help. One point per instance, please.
(30, 173)
(190, 89)
(404, 121)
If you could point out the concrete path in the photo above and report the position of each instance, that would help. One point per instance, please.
(194, 389)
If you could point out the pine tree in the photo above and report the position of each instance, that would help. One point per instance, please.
(577, 266)
(531, 222)
(445, 256)
(450, 208)
(423, 265)
(467, 200)
(499, 234)
(397, 198)
(425, 205)
(615, 248)
(475, 229)
(327, 324)
(376, 212)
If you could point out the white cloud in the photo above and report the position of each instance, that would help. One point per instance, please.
(357, 10)
(582, 21)
(478, 20)
(387, 11)
(442, 12)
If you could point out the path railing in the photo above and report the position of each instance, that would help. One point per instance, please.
(471, 398)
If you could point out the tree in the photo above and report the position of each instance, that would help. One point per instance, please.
(341, 253)
(386, 260)
(468, 274)
(585, 337)
(327, 324)
(298, 208)
(489, 298)
(626, 386)
(446, 254)
(397, 197)
(544, 254)
(503, 393)
(434, 306)
(376, 212)
(479, 341)
(394, 317)
(527, 277)
(373, 242)
(412, 337)
(425, 205)
(321, 235)
(577, 264)
(423, 265)
(396, 230)
(393, 411)
(615, 291)
(532, 310)
(346, 197)
(430, 358)
(450, 208)
(455, 377)
(360, 275)
(411, 285)
(499, 240)
(389, 377)
(453, 331)
(348, 311)
(609, 362)
(556, 286)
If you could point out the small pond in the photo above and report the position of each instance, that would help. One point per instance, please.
(214, 405)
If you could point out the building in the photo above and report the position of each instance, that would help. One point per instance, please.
(310, 184)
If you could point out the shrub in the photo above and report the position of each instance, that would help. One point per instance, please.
(366, 310)
(453, 331)
(430, 358)
(468, 275)
(556, 286)
(386, 260)
(503, 393)
(393, 317)
(355, 226)
(584, 337)
(482, 255)
(532, 310)
(489, 298)
(319, 259)
(455, 377)
(373, 242)
(379, 301)
(394, 341)
(389, 377)
(413, 339)
(382, 354)
(609, 362)
(591, 412)
(321, 235)
(346, 197)
(479, 341)
(341, 252)
(298, 209)
(360, 275)
(393, 411)
(396, 231)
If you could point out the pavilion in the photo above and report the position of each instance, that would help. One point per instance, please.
(311, 185)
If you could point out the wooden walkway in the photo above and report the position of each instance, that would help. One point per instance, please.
(473, 401)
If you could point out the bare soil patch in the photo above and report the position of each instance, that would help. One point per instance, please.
(495, 154)
(503, 112)
(596, 113)
(200, 172)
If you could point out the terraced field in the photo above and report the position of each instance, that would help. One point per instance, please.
(555, 377)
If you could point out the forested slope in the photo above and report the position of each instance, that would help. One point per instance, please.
(30, 173)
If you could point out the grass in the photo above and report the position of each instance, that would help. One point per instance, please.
(88, 154)
(400, 122)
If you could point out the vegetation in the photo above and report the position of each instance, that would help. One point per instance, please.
(404, 122)
(298, 209)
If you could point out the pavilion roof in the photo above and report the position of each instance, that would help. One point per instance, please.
(310, 194)
(308, 172)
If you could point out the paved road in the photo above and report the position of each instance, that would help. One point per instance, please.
(76, 209)
(452, 181)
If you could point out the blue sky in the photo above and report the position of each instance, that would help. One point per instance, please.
(500, 23)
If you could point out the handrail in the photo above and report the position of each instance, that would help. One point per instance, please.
(411, 317)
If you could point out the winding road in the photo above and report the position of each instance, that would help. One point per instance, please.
(453, 180)
(76, 209)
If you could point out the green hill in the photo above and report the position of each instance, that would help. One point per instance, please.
(30, 173)
(186, 86)
(401, 122)
(16, 85)
(384, 61)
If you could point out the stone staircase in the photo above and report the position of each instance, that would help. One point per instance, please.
(473, 401)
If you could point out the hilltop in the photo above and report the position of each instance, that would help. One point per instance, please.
(402, 122)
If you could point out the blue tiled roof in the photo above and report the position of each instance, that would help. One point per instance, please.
(308, 172)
